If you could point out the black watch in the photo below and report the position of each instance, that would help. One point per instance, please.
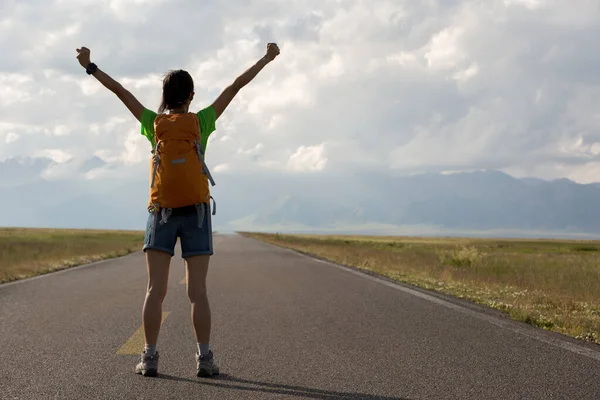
(91, 68)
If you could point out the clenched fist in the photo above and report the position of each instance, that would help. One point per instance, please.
(83, 56)
(272, 51)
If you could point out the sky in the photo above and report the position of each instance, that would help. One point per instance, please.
(381, 85)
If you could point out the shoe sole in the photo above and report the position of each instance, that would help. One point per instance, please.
(148, 372)
(206, 374)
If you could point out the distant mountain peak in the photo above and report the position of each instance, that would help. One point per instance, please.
(91, 164)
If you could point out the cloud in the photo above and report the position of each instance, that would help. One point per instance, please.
(11, 137)
(57, 155)
(404, 86)
(308, 158)
(253, 150)
(530, 4)
(221, 168)
(444, 50)
(14, 88)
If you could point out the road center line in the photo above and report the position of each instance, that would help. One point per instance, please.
(135, 344)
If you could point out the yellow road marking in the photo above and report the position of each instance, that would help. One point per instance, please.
(136, 342)
(182, 282)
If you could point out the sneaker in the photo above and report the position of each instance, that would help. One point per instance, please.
(148, 365)
(206, 366)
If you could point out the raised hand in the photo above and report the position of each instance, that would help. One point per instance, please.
(83, 56)
(272, 51)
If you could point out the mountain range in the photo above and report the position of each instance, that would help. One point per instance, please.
(475, 203)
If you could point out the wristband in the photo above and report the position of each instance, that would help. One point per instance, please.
(91, 68)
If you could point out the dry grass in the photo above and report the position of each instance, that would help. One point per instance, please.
(29, 252)
(548, 283)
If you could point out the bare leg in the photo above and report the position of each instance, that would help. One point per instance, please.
(158, 263)
(196, 271)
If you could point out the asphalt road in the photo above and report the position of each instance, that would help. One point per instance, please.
(284, 326)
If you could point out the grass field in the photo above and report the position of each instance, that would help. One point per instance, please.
(548, 283)
(29, 252)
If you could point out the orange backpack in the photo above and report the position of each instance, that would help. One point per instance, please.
(179, 175)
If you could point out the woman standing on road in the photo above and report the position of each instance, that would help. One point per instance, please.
(179, 204)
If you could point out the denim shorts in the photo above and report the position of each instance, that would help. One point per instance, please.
(182, 223)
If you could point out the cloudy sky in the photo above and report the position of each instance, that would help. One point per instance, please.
(408, 86)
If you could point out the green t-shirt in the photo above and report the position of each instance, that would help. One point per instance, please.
(207, 118)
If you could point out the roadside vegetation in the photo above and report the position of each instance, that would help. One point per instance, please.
(28, 252)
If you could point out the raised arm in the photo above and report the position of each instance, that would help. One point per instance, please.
(221, 103)
(126, 97)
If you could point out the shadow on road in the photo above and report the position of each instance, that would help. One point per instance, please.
(229, 382)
